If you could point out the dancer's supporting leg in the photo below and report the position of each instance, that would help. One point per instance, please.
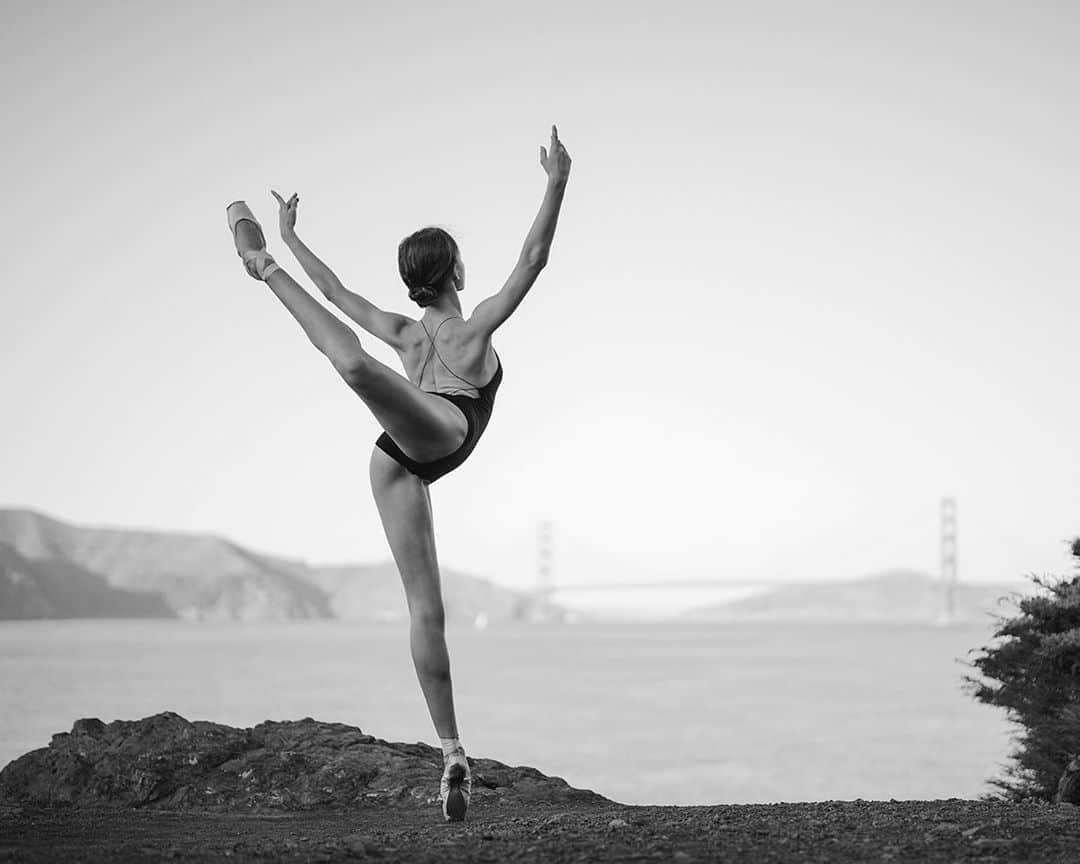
(405, 509)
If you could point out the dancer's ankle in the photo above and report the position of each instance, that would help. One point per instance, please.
(449, 745)
(260, 264)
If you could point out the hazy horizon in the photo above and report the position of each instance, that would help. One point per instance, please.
(684, 593)
(814, 272)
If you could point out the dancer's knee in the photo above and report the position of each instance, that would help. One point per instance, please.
(352, 363)
(385, 471)
(429, 617)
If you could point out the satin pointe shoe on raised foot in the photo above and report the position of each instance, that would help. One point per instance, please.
(455, 789)
(257, 261)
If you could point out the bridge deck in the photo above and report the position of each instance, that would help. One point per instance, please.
(666, 584)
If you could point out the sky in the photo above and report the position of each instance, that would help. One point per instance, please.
(816, 269)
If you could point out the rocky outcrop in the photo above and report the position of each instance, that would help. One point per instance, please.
(167, 762)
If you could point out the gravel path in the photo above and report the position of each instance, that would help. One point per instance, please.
(848, 831)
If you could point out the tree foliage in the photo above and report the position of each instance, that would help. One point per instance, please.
(1033, 671)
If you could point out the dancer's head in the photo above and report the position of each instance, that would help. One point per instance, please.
(430, 263)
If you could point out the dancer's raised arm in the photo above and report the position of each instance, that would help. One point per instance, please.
(492, 312)
(386, 326)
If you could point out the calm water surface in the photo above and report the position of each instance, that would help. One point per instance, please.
(642, 712)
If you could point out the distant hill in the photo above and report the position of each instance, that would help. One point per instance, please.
(900, 595)
(207, 577)
(366, 591)
(199, 575)
(55, 588)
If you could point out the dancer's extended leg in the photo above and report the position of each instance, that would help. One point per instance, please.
(331, 336)
(326, 332)
(405, 509)
(424, 426)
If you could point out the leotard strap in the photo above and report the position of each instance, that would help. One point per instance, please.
(432, 336)
(431, 350)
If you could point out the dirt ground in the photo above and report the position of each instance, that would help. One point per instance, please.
(851, 831)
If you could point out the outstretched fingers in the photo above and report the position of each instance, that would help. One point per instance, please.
(556, 147)
(286, 212)
(286, 205)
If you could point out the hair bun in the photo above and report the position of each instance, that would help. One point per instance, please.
(423, 294)
(426, 261)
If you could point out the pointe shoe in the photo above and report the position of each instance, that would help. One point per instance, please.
(455, 789)
(258, 262)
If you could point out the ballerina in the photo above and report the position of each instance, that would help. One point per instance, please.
(432, 419)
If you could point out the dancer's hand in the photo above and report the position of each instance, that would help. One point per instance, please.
(287, 213)
(557, 162)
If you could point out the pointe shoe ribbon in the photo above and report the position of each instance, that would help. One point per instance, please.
(260, 263)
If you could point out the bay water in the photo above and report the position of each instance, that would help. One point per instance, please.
(644, 712)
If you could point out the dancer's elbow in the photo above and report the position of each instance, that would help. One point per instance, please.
(536, 257)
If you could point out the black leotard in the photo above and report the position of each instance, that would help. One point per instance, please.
(477, 411)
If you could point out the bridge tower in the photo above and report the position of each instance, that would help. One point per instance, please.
(545, 559)
(948, 557)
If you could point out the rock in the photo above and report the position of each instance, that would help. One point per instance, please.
(167, 762)
(994, 844)
(971, 832)
(943, 829)
(616, 824)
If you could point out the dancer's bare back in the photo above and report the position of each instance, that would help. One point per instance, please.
(463, 358)
(458, 345)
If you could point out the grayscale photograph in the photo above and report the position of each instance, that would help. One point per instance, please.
(540, 432)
